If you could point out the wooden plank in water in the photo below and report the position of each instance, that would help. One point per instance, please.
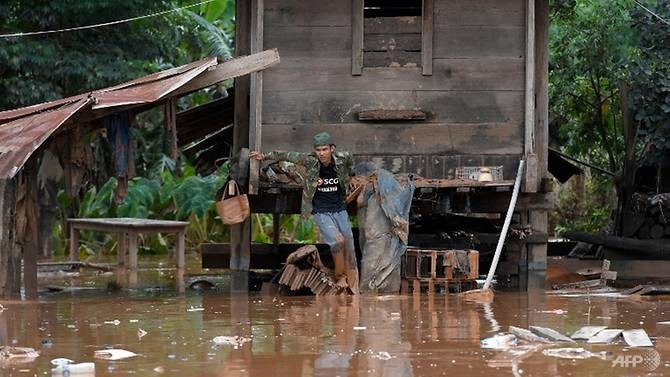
(550, 334)
(637, 338)
(605, 336)
(587, 332)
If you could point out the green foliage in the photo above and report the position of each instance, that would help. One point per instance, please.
(293, 228)
(589, 47)
(595, 46)
(46, 67)
(588, 208)
(650, 78)
(40, 68)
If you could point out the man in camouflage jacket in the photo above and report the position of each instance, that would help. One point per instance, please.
(323, 196)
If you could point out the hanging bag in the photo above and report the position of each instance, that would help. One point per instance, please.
(233, 208)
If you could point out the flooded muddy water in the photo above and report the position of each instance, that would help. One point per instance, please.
(413, 335)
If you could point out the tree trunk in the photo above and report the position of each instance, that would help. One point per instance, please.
(626, 186)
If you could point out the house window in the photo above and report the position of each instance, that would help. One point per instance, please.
(393, 34)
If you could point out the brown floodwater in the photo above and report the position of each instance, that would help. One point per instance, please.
(393, 335)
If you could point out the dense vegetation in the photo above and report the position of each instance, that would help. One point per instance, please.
(596, 48)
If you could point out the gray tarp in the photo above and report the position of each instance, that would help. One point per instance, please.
(383, 218)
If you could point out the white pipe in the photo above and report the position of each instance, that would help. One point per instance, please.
(508, 219)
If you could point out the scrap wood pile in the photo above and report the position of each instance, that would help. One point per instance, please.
(304, 269)
(650, 218)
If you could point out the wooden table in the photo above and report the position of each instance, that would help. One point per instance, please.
(127, 228)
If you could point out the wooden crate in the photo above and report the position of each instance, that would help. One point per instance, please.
(438, 269)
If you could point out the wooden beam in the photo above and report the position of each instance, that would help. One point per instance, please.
(529, 119)
(542, 85)
(383, 114)
(427, 37)
(240, 234)
(10, 259)
(357, 37)
(171, 126)
(230, 69)
(256, 94)
(27, 228)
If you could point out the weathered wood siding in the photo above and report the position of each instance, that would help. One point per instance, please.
(474, 99)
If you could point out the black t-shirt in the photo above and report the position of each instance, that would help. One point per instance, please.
(329, 195)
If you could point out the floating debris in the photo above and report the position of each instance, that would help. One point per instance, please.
(499, 342)
(587, 332)
(555, 311)
(235, 341)
(114, 354)
(202, 285)
(195, 309)
(513, 356)
(17, 355)
(382, 355)
(115, 322)
(637, 338)
(67, 367)
(527, 335)
(141, 333)
(574, 353)
(360, 328)
(605, 336)
(550, 334)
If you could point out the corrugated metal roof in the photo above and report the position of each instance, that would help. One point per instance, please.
(22, 131)
(151, 88)
(21, 137)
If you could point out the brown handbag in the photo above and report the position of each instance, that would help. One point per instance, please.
(233, 208)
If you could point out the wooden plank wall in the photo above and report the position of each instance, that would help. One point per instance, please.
(474, 98)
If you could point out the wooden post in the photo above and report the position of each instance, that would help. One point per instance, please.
(240, 234)
(132, 250)
(29, 237)
(256, 100)
(542, 85)
(537, 253)
(74, 243)
(276, 228)
(529, 119)
(171, 129)
(10, 259)
(121, 248)
(357, 27)
(181, 238)
(427, 37)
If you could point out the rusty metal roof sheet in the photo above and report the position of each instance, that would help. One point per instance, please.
(22, 131)
(151, 88)
(21, 137)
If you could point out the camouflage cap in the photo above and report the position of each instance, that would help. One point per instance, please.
(322, 138)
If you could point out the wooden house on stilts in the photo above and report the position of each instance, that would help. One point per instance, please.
(429, 87)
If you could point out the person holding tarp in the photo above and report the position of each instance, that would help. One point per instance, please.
(324, 194)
